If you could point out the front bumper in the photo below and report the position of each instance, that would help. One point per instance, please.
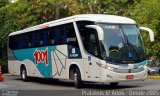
(110, 76)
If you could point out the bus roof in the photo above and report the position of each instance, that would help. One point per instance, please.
(88, 17)
(105, 18)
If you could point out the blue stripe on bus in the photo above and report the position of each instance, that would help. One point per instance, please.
(143, 63)
(24, 54)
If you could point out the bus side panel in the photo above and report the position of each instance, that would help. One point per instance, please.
(13, 63)
(59, 62)
(31, 69)
(13, 67)
(80, 65)
(36, 60)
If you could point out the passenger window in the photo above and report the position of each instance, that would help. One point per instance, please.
(51, 36)
(21, 41)
(72, 42)
(89, 37)
(92, 44)
(63, 34)
(41, 39)
(16, 42)
(28, 40)
(11, 42)
(71, 36)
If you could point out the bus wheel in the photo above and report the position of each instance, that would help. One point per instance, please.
(24, 74)
(114, 84)
(77, 78)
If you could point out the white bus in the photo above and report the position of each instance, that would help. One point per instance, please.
(89, 47)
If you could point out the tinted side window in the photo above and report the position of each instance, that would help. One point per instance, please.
(28, 40)
(21, 41)
(13, 42)
(92, 43)
(57, 35)
(58, 31)
(63, 35)
(71, 35)
(72, 42)
(89, 37)
(51, 36)
(16, 42)
(40, 38)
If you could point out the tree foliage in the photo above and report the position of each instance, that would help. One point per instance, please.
(147, 13)
(3, 3)
(26, 13)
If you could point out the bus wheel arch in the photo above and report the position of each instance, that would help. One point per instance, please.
(23, 73)
(75, 74)
(71, 70)
(114, 84)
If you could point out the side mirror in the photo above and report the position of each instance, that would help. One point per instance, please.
(151, 34)
(99, 31)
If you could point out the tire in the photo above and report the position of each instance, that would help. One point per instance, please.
(77, 78)
(114, 84)
(24, 76)
(151, 73)
(159, 71)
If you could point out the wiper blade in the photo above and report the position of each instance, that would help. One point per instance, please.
(132, 47)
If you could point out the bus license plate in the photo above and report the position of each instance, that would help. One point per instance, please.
(130, 77)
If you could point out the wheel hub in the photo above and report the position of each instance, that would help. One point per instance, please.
(23, 74)
(75, 77)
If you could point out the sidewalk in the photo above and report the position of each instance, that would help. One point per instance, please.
(153, 77)
(157, 76)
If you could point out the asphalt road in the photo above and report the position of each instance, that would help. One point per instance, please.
(13, 85)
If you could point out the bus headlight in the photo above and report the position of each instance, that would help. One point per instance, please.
(142, 67)
(111, 68)
(145, 67)
(108, 67)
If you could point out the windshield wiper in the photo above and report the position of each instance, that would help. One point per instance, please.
(131, 46)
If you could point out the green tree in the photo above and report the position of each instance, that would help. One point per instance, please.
(147, 13)
(3, 3)
(13, 17)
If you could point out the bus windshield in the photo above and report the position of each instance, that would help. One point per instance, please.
(122, 44)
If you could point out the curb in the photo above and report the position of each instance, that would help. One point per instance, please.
(153, 77)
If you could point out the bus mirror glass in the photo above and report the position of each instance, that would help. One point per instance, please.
(151, 34)
(99, 31)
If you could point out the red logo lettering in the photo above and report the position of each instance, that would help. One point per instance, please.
(130, 77)
(41, 56)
